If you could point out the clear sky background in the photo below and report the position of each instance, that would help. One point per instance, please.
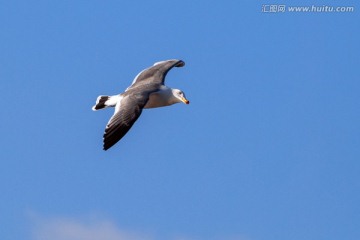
(268, 149)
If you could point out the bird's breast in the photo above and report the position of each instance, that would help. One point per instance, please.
(158, 99)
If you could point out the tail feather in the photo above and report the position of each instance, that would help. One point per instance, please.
(104, 102)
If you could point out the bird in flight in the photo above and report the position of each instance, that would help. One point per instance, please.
(146, 91)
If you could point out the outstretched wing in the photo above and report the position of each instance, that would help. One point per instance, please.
(127, 111)
(155, 74)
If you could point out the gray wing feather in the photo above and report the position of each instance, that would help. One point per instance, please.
(156, 74)
(121, 122)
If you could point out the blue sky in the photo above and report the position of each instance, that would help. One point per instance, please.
(268, 149)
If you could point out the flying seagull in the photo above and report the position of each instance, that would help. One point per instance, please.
(146, 91)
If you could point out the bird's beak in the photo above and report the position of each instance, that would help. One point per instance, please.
(184, 100)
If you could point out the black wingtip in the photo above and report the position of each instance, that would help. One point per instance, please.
(107, 146)
(180, 63)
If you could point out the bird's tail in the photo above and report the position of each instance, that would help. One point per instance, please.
(104, 102)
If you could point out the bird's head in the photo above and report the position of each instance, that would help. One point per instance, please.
(180, 96)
